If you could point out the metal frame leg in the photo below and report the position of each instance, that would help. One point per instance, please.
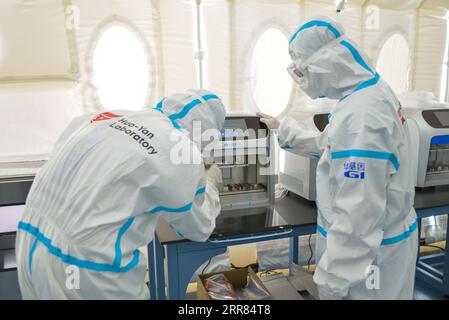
(294, 248)
(159, 263)
(151, 270)
(419, 239)
(446, 265)
(172, 272)
(156, 269)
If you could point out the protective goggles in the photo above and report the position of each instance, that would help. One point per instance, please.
(295, 73)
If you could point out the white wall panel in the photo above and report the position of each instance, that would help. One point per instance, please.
(430, 49)
(33, 40)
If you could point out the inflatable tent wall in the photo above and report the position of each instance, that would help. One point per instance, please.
(49, 49)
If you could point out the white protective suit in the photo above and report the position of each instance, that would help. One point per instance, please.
(99, 197)
(367, 242)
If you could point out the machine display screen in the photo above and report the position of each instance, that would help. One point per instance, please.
(233, 128)
(443, 117)
(437, 118)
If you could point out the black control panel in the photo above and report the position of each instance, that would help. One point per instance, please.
(237, 127)
(438, 118)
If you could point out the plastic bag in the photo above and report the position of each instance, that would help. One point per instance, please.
(253, 291)
(219, 288)
(434, 229)
(274, 254)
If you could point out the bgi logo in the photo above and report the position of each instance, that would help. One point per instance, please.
(355, 170)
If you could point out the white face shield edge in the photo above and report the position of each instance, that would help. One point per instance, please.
(297, 75)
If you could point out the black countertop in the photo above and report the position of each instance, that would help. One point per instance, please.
(432, 198)
(293, 211)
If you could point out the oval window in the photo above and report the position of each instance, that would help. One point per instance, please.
(270, 82)
(393, 63)
(121, 70)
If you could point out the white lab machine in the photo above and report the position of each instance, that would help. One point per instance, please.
(243, 155)
(429, 132)
(298, 173)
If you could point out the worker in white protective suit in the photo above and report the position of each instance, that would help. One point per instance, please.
(367, 239)
(100, 195)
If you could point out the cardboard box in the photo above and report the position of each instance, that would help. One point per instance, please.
(237, 277)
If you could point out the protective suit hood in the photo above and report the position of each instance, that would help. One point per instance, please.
(332, 66)
(196, 109)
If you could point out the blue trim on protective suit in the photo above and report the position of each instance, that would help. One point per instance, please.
(200, 191)
(321, 230)
(31, 254)
(175, 124)
(190, 106)
(160, 105)
(118, 250)
(68, 259)
(179, 234)
(210, 97)
(357, 56)
(367, 154)
(386, 241)
(159, 108)
(186, 109)
(286, 147)
(185, 208)
(364, 85)
(317, 23)
(403, 236)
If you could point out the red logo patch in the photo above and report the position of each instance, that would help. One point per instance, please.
(105, 116)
